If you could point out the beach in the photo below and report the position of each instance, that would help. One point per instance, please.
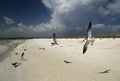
(45, 62)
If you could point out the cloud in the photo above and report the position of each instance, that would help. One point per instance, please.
(8, 20)
(115, 28)
(75, 15)
(98, 26)
(21, 30)
(71, 17)
(102, 11)
(114, 6)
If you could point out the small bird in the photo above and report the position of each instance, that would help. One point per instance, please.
(106, 71)
(89, 38)
(54, 40)
(67, 62)
(22, 56)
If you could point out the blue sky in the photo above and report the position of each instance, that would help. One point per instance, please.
(40, 18)
(25, 11)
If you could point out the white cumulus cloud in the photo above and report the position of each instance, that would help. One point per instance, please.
(70, 17)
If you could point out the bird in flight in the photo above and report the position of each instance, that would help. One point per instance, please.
(89, 38)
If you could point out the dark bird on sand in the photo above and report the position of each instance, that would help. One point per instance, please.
(22, 56)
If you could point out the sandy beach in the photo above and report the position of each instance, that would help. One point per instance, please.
(43, 62)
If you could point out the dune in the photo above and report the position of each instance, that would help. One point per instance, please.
(43, 62)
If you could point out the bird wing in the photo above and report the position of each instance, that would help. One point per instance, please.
(89, 30)
(85, 46)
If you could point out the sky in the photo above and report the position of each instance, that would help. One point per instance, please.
(41, 18)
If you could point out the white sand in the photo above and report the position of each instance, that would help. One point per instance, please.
(48, 64)
(3, 49)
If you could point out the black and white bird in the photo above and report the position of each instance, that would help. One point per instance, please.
(89, 38)
(54, 40)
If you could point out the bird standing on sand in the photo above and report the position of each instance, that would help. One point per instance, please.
(54, 40)
(22, 55)
(89, 38)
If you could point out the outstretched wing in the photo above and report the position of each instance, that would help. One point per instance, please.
(86, 46)
(89, 30)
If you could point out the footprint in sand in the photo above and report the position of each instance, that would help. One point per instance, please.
(41, 48)
(24, 49)
(16, 53)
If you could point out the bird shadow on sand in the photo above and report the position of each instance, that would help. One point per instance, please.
(68, 62)
(53, 44)
(106, 71)
(16, 64)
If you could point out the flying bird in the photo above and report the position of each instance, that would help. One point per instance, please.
(54, 40)
(89, 38)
